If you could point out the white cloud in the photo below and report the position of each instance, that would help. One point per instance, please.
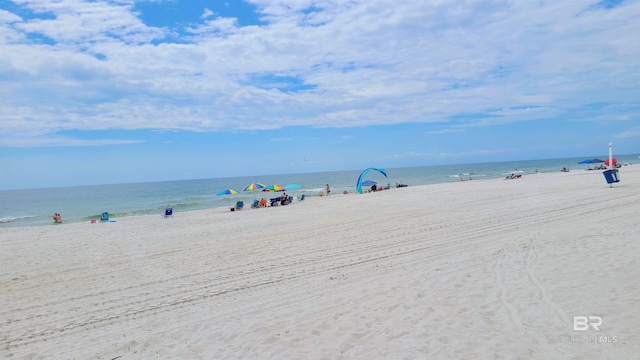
(62, 141)
(506, 116)
(206, 14)
(445, 131)
(80, 22)
(631, 133)
(409, 155)
(363, 63)
(7, 17)
(466, 154)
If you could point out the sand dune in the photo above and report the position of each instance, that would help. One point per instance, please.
(476, 269)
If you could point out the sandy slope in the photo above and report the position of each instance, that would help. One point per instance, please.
(476, 269)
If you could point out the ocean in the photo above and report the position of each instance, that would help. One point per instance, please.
(35, 207)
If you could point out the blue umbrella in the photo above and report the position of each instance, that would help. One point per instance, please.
(368, 183)
(591, 161)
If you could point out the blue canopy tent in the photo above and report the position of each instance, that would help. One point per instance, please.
(359, 183)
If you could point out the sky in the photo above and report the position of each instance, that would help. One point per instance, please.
(120, 91)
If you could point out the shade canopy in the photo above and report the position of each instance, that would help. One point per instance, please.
(227, 192)
(365, 172)
(274, 188)
(591, 161)
(254, 186)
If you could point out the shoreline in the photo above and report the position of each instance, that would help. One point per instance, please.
(308, 196)
(76, 204)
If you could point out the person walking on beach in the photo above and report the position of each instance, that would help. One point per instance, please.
(328, 190)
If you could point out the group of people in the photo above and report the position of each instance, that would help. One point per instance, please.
(283, 199)
(375, 187)
(57, 218)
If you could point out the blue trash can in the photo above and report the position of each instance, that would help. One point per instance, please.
(611, 176)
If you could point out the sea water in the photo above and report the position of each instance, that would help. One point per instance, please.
(33, 207)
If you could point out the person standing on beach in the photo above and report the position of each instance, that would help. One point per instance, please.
(328, 190)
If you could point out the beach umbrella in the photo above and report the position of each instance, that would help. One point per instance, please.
(253, 187)
(274, 188)
(591, 161)
(368, 183)
(293, 187)
(613, 160)
(227, 192)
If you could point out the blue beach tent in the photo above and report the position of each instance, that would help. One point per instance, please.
(359, 183)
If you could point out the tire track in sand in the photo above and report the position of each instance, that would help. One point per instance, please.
(276, 271)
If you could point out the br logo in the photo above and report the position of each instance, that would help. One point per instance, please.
(582, 323)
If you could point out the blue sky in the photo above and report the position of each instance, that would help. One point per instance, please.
(118, 91)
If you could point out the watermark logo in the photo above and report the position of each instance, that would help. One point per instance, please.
(582, 323)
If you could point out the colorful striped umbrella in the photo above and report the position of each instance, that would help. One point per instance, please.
(253, 187)
(227, 192)
(274, 188)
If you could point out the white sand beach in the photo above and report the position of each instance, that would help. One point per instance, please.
(492, 269)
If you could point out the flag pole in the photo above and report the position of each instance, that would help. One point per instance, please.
(610, 162)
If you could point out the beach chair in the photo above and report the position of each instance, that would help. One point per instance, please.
(104, 217)
(255, 204)
(168, 212)
(302, 197)
(239, 205)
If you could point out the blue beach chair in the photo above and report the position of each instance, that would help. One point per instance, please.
(239, 205)
(104, 217)
(168, 212)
